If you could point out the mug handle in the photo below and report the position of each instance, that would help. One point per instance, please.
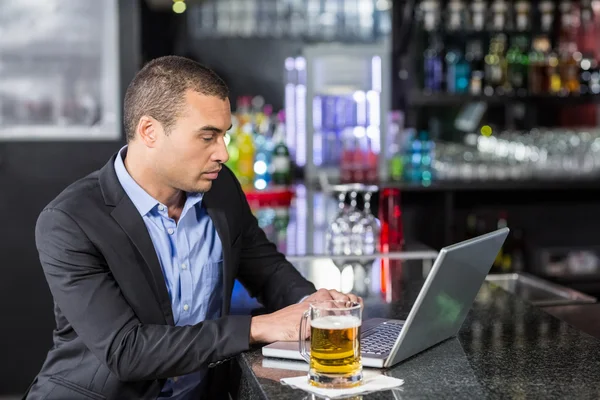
(304, 352)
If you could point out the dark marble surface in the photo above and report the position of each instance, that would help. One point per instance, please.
(585, 317)
(506, 349)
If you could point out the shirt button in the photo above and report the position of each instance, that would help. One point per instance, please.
(184, 266)
(161, 207)
(171, 231)
(186, 307)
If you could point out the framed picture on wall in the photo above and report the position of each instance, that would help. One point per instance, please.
(59, 70)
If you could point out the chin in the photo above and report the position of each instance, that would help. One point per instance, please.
(203, 187)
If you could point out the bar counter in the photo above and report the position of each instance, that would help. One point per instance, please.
(506, 348)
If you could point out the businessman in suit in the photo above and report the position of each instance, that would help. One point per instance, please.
(141, 255)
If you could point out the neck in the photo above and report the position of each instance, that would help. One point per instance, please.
(145, 176)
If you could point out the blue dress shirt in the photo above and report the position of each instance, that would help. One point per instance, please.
(191, 258)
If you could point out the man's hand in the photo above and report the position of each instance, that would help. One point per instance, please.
(324, 295)
(282, 325)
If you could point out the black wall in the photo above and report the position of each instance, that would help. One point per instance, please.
(249, 66)
(31, 174)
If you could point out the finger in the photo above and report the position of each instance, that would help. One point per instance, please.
(353, 298)
(338, 296)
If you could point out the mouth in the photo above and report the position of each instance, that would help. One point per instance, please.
(212, 174)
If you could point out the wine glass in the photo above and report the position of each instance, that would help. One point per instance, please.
(338, 232)
(365, 234)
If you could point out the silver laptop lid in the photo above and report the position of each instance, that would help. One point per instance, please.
(447, 294)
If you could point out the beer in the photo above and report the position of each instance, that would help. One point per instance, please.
(335, 345)
(334, 355)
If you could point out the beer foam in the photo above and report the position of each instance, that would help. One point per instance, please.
(336, 322)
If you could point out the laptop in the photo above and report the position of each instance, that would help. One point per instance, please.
(438, 313)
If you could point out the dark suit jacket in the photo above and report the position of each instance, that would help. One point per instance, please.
(115, 336)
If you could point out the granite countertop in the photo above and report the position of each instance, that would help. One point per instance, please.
(506, 348)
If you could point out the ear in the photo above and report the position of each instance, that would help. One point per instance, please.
(148, 130)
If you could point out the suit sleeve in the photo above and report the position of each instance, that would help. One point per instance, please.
(90, 299)
(263, 270)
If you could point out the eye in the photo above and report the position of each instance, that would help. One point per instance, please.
(207, 139)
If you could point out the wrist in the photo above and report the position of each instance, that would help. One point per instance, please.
(258, 330)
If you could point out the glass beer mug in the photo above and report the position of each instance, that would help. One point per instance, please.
(334, 355)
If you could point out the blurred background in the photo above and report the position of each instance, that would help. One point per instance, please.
(455, 117)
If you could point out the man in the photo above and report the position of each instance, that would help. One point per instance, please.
(141, 255)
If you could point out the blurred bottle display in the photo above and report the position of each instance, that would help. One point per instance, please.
(413, 156)
(347, 20)
(345, 136)
(258, 155)
(541, 47)
(282, 164)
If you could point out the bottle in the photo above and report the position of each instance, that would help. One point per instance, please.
(539, 81)
(246, 152)
(495, 66)
(262, 160)
(518, 64)
(523, 22)
(546, 8)
(433, 67)
(478, 15)
(569, 69)
(282, 165)
(499, 15)
(458, 72)
(456, 16)
(475, 57)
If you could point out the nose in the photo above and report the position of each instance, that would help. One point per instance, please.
(221, 155)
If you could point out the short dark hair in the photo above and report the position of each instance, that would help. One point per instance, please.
(158, 90)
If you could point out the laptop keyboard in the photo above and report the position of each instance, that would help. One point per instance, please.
(381, 339)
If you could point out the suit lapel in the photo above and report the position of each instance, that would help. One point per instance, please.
(219, 219)
(132, 223)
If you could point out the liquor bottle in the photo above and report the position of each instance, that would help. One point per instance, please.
(395, 145)
(456, 16)
(499, 15)
(282, 165)
(475, 57)
(262, 160)
(546, 9)
(539, 81)
(246, 153)
(523, 18)
(478, 15)
(458, 71)
(433, 68)
(518, 64)
(569, 69)
(430, 10)
(553, 73)
(495, 65)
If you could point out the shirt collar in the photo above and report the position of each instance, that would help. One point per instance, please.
(140, 198)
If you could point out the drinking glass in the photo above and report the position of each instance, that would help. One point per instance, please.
(334, 355)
